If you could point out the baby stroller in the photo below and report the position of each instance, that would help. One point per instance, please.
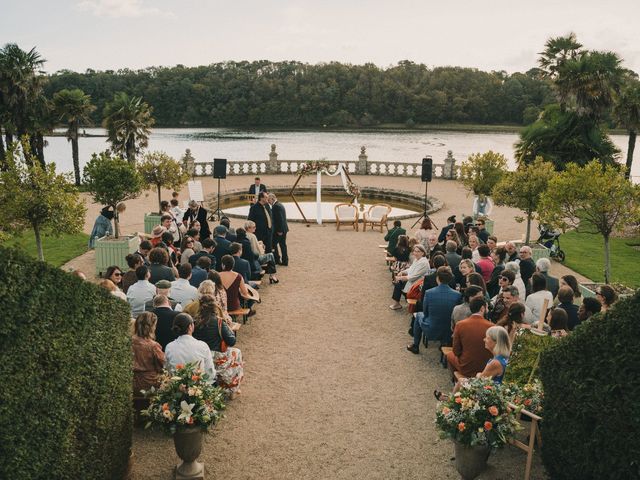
(551, 239)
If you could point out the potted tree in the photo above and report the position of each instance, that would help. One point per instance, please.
(185, 406)
(478, 419)
(523, 189)
(111, 180)
(479, 174)
(159, 170)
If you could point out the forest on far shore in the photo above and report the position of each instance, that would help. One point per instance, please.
(294, 94)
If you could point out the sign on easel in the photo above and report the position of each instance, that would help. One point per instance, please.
(195, 190)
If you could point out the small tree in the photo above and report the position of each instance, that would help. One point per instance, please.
(523, 188)
(593, 198)
(160, 170)
(482, 171)
(111, 180)
(36, 197)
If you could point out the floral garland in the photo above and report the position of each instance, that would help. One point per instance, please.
(318, 165)
(353, 190)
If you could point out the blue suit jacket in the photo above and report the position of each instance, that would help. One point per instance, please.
(242, 267)
(222, 249)
(437, 306)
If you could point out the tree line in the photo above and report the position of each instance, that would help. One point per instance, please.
(295, 94)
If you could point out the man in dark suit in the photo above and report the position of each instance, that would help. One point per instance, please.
(196, 212)
(200, 272)
(437, 306)
(164, 312)
(260, 214)
(255, 189)
(222, 245)
(240, 265)
(208, 247)
(527, 266)
(280, 229)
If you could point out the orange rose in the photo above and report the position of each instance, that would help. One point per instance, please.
(488, 425)
(190, 420)
(488, 387)
(461, 426)
(165, 406)
(493, 410)
(195, 378)
(458, 400)
(527, 402)
(445, 411)
(180, 366)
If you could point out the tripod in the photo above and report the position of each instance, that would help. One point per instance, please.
(217, 214)
(425, 215)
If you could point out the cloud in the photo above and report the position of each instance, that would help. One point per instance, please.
(120, 8)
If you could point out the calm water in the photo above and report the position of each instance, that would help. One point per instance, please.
(207, 143)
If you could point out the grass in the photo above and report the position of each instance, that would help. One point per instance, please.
(585, 254)
(57, 251)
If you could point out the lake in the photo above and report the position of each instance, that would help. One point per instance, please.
(232, 144)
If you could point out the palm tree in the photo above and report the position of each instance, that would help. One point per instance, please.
(627, 111)
(74, 107)
(557, 51)
(128, 122)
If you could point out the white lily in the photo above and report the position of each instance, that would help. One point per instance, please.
(186, 411)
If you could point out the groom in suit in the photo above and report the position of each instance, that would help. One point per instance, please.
(260, 214)
(280, 229)
(255, 189)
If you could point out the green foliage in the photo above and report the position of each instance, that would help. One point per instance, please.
(592, 412)
(128, 122)
(482, 171)
(111, 180)
(524, 362)
(585, 252)
(37, 198)
(564, 137)
(295, 94)
(627, 112)
(160, 170)
(65, 364)
(523, 188)
(596, 198)
(57, 251)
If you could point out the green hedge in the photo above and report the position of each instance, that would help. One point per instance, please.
(65, 365)
(592, 398)
(524, 363)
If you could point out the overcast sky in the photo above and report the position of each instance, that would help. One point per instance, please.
(489, 35)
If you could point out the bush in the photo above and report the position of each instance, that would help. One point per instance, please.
(592, 411)
(65, 364)
(524, 363)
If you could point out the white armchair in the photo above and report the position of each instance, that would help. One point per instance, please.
(346, 214)
(376, 216)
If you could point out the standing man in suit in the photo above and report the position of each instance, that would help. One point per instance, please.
(260, 214)
(196, 212)
(435, 318)
(255, 190)
(280, 229)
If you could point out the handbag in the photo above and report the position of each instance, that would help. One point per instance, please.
(223, 344)
(414, 293)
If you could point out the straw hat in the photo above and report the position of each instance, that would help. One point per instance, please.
(157, 231)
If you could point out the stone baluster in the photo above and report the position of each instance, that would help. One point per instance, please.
(449, 170)
(272, 167)
(361, 168)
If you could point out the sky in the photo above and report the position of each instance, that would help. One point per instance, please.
(488, 35)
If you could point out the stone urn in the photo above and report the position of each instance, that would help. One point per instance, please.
(471, 460)
(188, 443)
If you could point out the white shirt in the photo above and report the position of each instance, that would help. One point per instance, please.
(186, 349)
(416, 271)
(183, 292)
(138, 294)
(535, 301)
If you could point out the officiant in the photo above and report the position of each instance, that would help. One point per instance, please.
(255, 189)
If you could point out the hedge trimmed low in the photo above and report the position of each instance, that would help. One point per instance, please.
(65, 365)
(592, 398)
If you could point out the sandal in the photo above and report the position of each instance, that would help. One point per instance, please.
(438, 394)
(395, 307)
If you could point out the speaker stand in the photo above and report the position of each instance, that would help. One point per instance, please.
(424, 212)
(217, 213)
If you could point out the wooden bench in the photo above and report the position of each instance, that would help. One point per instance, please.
(534, 436)
(241, 312)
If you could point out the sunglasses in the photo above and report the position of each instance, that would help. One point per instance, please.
(117, 274)
(504, 278)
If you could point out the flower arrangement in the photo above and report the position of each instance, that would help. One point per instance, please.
(478, 414)
(528, 396)
(318, 165)
(185, 398)
(353, 189)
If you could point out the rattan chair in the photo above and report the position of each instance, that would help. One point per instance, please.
(376, 216)
(346, 214)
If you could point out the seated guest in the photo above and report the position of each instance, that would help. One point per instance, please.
(148, 357)
(231, 233)
(485, 263)
(163, 287)
(430, 281)
(512, 252)
(465, 268)
(140, 292)
(176, 211)
(539, 293)
(463, 238)
(462, 311)
(233, 284)
(469, 355)
(165, 315)
(114, 273)
(186, 249)
(200, 271)
(542, 266)
(476, 279)
(406, 278)
(129, 278)
(222, 245)
(607, 296)
(167, 244)
(156, 235)
(451, 221)
(214, 331)
(435, 319)
(208, 247)
(159, 270)
(392, 236)
(195, 234)
(571, 281)
(514, 321)
(181, 290)
(508, 296)
(590, 306)
(422, 234)
(558, 322)
(401, 254)
(517, 281)
(565, 297)
(186, 349)
(492, 243)
(483, 233)
(257, 248)
(453, 259)
(473, 244)
(143, 251)
(240, 265)
(434, 246)
(527, 266)
(497, 256)
(496, 304)
(109, 286)
(207, 287)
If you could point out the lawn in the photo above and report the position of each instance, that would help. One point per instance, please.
(585, 255)
(57, 251)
